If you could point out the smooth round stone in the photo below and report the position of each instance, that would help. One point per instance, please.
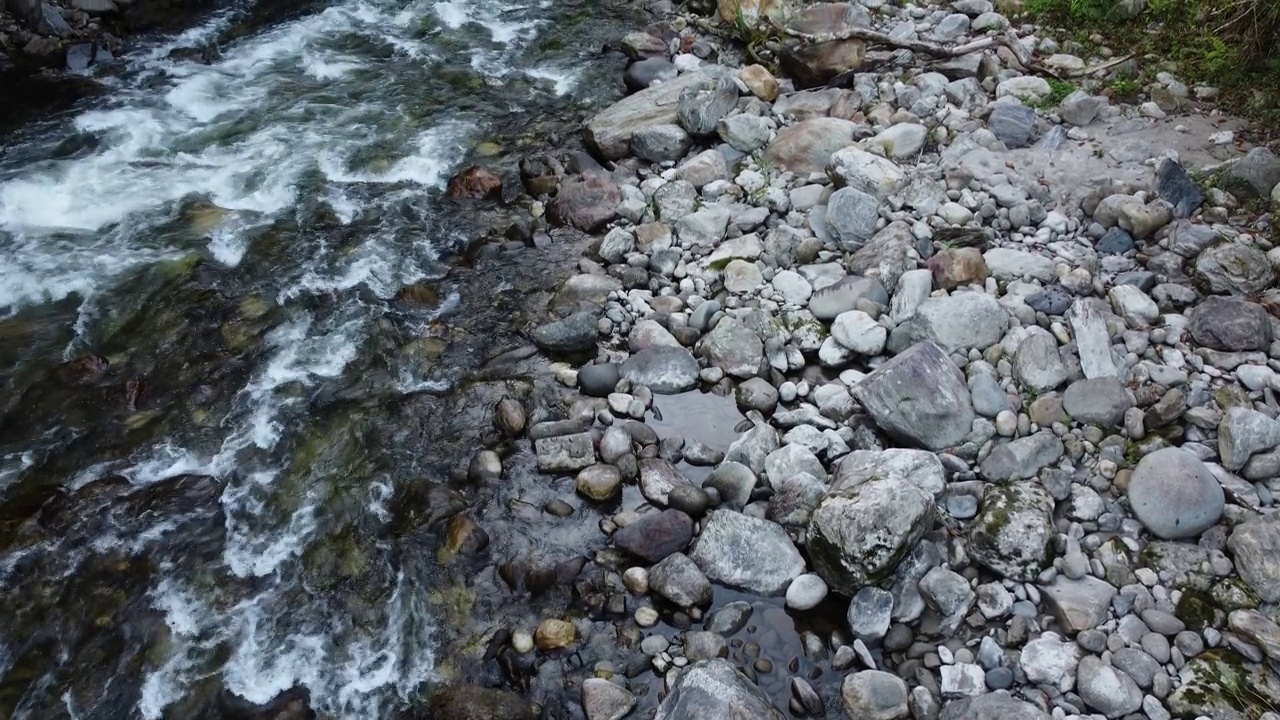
(806, 592)
(522, 641)
(1174, 495)
(654, 644)
(598, 380)
(646, 617)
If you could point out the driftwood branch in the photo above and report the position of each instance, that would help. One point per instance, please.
(1009, 40)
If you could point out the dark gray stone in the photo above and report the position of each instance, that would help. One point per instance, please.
(1012, 124)
(572, 335)
(643, 73)
(919, 397)
(1053, 300)
(1117, 241)
(1230, 324)
(598, 380)
(1177, 188)
(656, 535)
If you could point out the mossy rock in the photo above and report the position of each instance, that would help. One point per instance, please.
(1223, 685)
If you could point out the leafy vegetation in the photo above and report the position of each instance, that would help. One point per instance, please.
(1229, 44)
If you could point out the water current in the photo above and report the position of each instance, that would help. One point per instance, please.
(193, 267)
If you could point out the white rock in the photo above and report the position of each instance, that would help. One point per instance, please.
(1025, 87)
(806, 592)
(903, 140)
(792, 287)
(859, 332)
(954, 213)
(1052, 661)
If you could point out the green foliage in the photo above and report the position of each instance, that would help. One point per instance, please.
(1059, 90)
(1226, 43)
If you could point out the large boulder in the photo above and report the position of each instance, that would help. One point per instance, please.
(919, 397)
(958, 321)
(1256, 546)
(715, 690)
(747, 553)
(1231, 324)
(1174, 495)
(806, 147)
(859, 533)
(813, 64)
(609, 133)
(1011, 533)
(587, 202)
(734, 348)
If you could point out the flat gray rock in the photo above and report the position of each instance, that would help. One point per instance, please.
(1022, 458)
(1078, 604)
(747, 553)
(1099, 401)
(843, 295)
(664, 370)
(992, 706)
(609, 132)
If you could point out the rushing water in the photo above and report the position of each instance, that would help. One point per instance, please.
(193, 271)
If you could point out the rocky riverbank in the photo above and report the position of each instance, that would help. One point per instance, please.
(1005, 365)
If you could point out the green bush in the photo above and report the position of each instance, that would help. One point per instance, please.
(1232, 44)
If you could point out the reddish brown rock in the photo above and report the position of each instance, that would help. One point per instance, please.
(953, 268)
(474, 183)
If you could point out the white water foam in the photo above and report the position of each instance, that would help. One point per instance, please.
(245, 133)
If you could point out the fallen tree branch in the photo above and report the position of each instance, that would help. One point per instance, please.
(1009, 40)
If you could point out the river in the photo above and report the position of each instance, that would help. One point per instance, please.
(208, 351)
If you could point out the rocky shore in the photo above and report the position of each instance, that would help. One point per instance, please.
(1008, 364)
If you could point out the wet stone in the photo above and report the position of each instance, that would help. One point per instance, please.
(656, 535)
(679, 580)
(566, 453)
